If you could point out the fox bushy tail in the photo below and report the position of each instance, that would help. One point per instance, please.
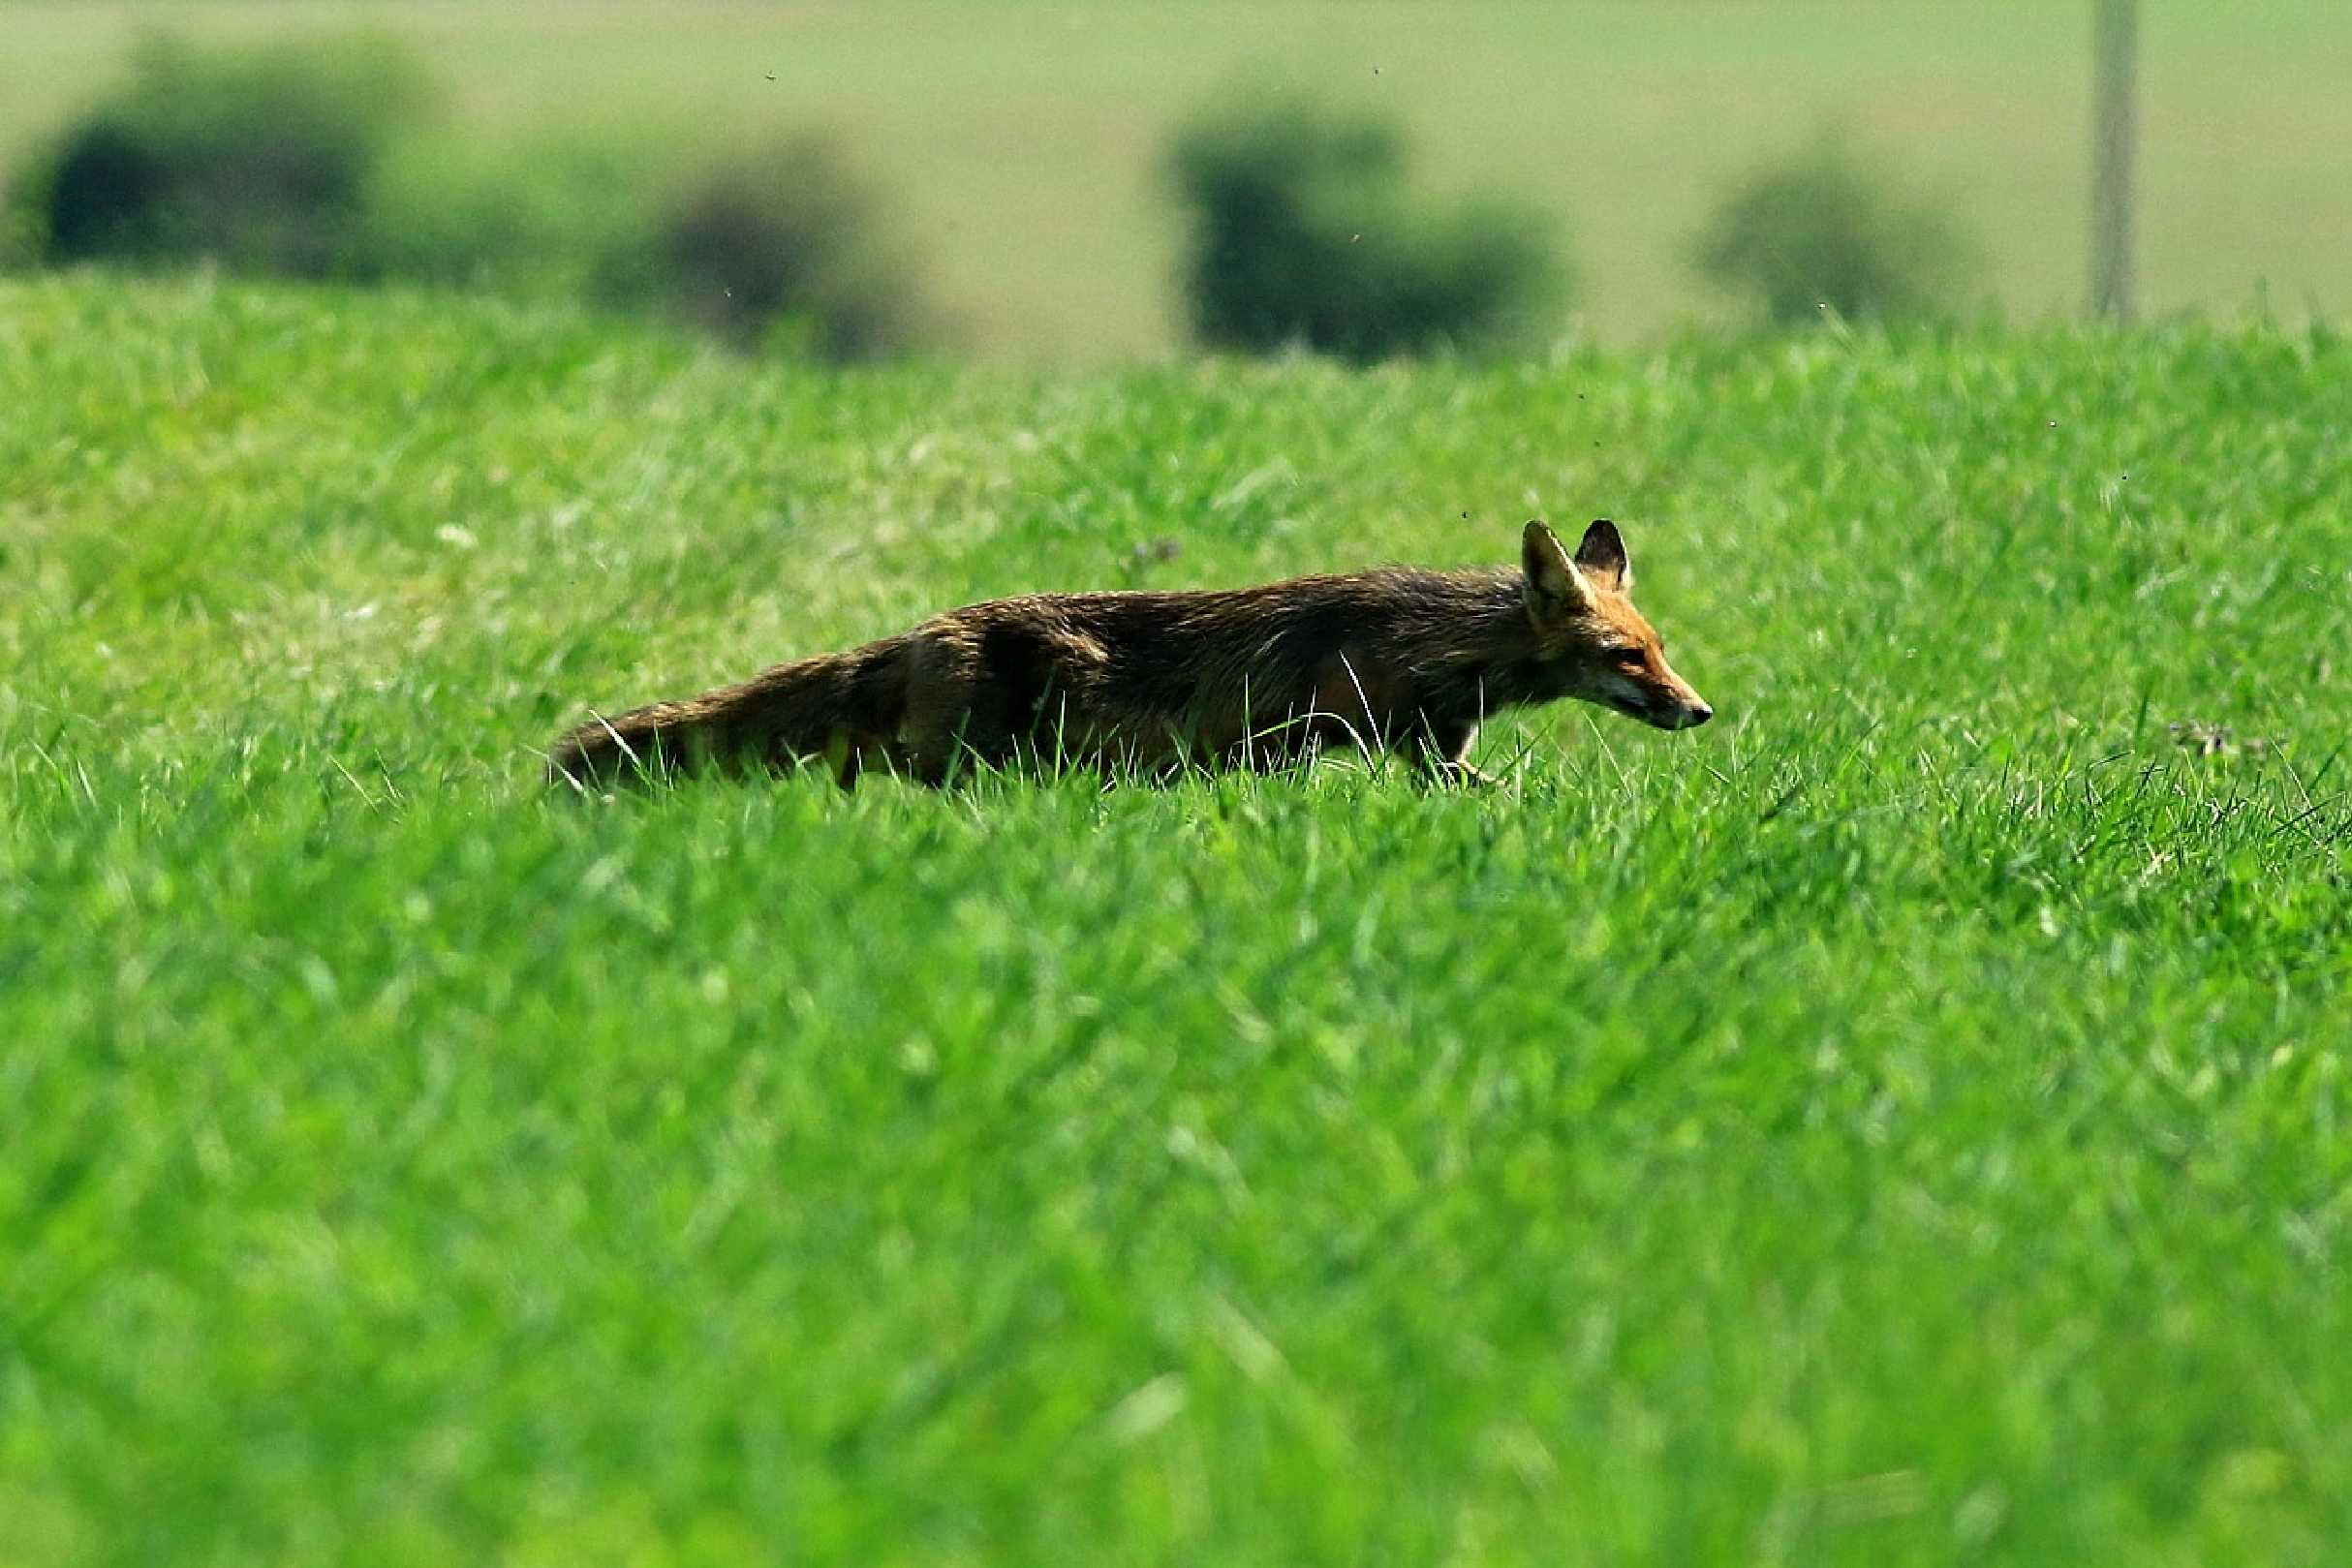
(830, 706)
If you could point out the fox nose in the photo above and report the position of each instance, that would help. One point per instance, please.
(1696, 715)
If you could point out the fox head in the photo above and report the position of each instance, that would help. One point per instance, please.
(1591, 641)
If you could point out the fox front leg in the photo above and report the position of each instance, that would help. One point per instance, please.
(1440, 750)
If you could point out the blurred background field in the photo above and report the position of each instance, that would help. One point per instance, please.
(1020, 143)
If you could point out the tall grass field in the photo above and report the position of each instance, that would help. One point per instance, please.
(1906, 1121)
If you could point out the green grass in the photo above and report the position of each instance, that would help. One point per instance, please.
(1022, 137)
(1902, 1123)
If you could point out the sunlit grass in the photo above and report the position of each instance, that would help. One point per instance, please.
(1900, 1123)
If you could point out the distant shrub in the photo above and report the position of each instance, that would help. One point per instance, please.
(1828, 227)
(1303, 232)
(316, 160)
(528, 219)
(784, 244)
(257, 158)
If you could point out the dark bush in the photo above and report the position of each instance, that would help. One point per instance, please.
(1831, 228)
(314, 160)
(255, 158)
(1303, 232)
(785, 243)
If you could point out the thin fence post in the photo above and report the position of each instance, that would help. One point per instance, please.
(2116, 69)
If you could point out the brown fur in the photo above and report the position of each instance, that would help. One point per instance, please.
(1261, 677)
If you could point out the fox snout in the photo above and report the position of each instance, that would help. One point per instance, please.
(1679, 704)
(1672, 713)
(1669, 704)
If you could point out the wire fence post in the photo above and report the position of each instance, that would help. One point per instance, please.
(2117, 48)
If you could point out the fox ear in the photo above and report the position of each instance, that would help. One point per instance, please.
(1602, 556)
(1553, 584)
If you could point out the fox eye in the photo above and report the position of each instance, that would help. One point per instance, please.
(1630, 657)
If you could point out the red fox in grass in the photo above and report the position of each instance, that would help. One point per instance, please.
(1261, 678)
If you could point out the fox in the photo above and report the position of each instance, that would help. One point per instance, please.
(1395, 661)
